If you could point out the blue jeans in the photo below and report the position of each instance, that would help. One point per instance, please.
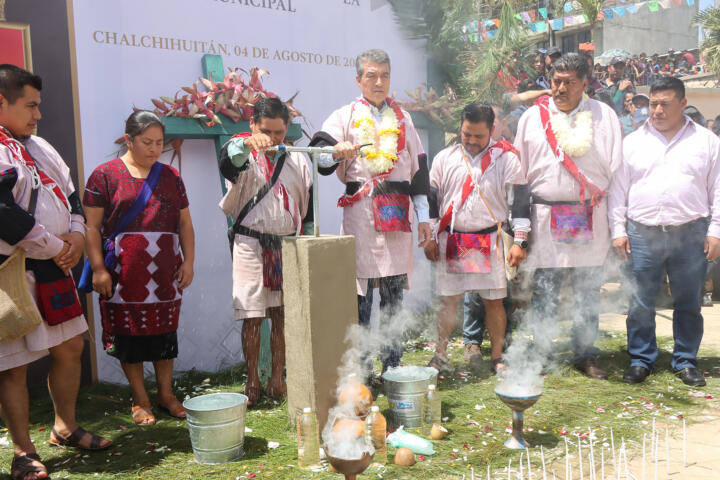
(586, 283)
(680, 253)
(474, 317)
(391, 297)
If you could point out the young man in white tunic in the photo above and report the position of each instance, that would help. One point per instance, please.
(261, 219)
(384, 168)
(40, 213)
(569, 146)
(665, 216)
(469, 186)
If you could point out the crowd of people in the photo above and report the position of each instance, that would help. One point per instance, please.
(552, 188)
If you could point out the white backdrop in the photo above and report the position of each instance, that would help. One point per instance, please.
(131, 51)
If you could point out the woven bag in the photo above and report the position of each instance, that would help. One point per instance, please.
(18, 313)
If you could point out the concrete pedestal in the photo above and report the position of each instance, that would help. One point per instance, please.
(320, 299)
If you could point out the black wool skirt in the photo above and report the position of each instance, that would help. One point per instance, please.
(144, 348)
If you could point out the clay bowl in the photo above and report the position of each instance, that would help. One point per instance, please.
(349, 468)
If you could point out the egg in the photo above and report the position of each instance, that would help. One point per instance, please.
(346, 427)
(438, 432)
(404, 457)
(358, 395)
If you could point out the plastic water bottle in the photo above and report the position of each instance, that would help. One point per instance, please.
(308, 439)
(375, 429)
(431, 406)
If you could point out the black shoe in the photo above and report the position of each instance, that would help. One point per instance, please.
(691, 376)
(635, 374)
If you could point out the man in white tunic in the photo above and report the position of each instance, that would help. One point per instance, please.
(268, 197)
(569, 147)
(41, 214)
(665, 216)
(469, 186)
(381, 183)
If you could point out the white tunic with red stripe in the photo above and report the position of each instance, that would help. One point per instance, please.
(548, 179)
(447, 175)
(280, 212)
(377, 254)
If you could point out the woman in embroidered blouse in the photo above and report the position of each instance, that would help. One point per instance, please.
(140, 297)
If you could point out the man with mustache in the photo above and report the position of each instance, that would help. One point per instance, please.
(664, 204)
(466, 243)
(384, 168)
(569, 147)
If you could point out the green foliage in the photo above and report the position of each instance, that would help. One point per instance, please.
(709, 21)
(470, 71)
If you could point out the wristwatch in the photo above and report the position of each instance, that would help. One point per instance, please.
(521, 243)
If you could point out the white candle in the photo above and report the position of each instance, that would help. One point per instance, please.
(652, 442)
(602, 462)
(488, 471)
(542, 459)
(684, 445)
(643, 458)
(667, 450)
(592, 458)
(521, 466)
(529, 467)
(656, 462)
(580, 462)
(624, 453)
(612, 445)
(472, 473)
(509, 464)
(567, 460)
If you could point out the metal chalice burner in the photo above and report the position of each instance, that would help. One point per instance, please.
(518, 401)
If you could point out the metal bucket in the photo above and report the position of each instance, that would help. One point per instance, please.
(405, 388)
(217, 426)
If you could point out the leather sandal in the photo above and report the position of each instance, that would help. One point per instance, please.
(24, 465)
(174, 408)
(500, 371)
(74, 439)
(142, 415)
(440, 364)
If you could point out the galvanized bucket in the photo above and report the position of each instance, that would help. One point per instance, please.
(217, 426)
(405, 388)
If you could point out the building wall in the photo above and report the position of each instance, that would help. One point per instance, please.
(652, 32)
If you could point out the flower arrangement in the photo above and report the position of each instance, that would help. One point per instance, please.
(233, 96)
(380, 156)
(574, 141)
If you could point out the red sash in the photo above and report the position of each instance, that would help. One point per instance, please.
(20, 153)
(468, 186)
(596, 195)
(375, 180)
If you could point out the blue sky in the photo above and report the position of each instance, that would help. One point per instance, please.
(705, 4)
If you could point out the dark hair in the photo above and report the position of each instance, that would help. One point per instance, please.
(590, 91)
(13, 80)
(669, 83)
(716, 125)
(478, 112)
(270, 107)
(141, 120)
(572, 62)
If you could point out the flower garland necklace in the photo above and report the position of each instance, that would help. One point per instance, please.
(576, 141)
(381, 155)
